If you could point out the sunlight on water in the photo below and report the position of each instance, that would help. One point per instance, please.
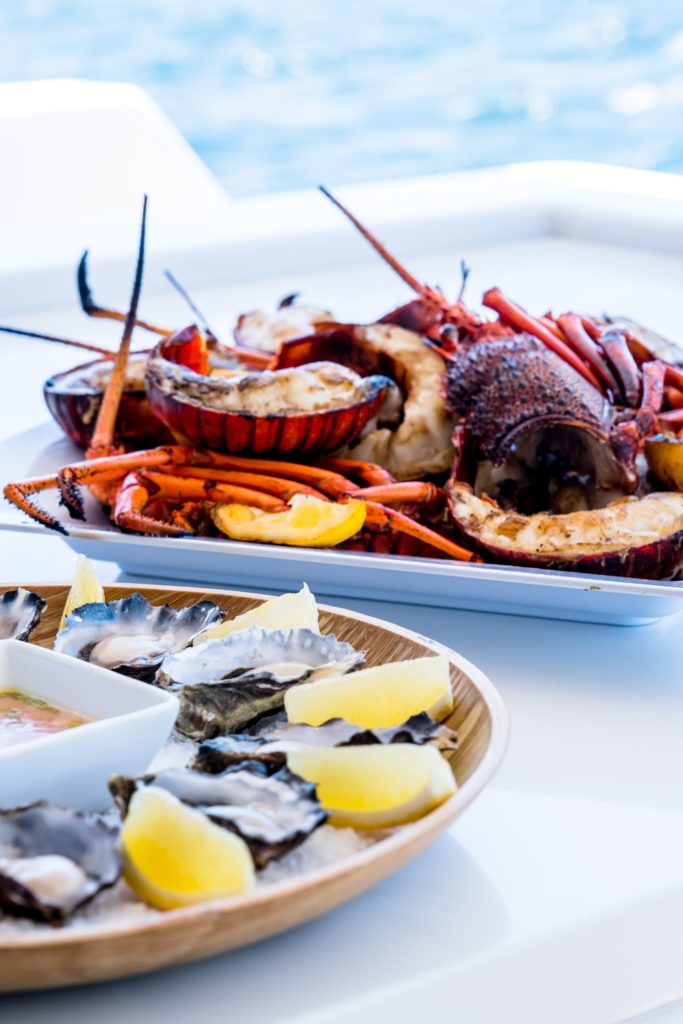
(277, 96)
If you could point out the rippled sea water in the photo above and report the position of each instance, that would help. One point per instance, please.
(278, 95)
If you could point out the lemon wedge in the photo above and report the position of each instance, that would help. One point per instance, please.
(375, 786)
(85, 589)
(288, 611)
(375, 698)
(174, 856)
(308, 522)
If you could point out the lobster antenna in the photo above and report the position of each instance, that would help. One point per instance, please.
(175, 283)
(106, 418)
(91, 308)
(464, 274)
(60, 341)
(404, 274)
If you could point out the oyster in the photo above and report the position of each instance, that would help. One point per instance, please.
(53, 860)
(272, 813)
(20, 612)
(274, 737)
(226, 683)
(132, 636)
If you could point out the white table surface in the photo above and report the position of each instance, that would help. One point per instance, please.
(559, 895)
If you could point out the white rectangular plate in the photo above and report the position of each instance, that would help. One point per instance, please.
(554, 235)
(548, 594)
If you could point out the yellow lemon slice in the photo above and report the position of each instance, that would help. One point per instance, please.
(308, 522)
(375, 786)
(289, 611)
(375, 698)
(665, 459)
(174, 856)
(85, 589)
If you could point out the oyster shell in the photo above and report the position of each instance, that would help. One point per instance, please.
(132, 636)
(20, 612)
(276, 737)
(272, 813)
(53, 860)
(224, 684)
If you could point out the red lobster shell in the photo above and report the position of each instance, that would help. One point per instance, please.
(635, 537)
(74, 398)
(186, 402)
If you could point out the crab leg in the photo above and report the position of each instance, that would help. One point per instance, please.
(380, 515)
(276, 485)
(18, 494)
(103, 470)
(129, 510)
(618, 353)
(518, 318)
(175, 488)
(368, 472)
(410, 491)
(583, 344)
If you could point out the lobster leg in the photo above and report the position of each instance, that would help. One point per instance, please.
(281, 488)
(174, 488)
(18, 494)
(104, 470)
(369, 472)
(380, 515)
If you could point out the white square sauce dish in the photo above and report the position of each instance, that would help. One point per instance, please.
(115, 725)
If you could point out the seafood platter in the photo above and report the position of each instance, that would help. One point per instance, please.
(502, 460)
(305, 754)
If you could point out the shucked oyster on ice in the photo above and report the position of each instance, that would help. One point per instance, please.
(20, 612)
(224, 684)
(53, 860)
(273, 737)
(132, 636)
(272, 813)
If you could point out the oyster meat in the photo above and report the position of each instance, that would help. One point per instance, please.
(274, 737)
(272, 813)
(132, 636)
(53, 860)
(224, 684)
(20, 612)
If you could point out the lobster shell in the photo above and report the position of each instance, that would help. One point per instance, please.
(74, 396)
(235, 432)
(602, 541)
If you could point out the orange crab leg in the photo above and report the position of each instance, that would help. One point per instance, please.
(410, 491)
(165, 485)
(369, 472)
(380, 515)
(18, 494)
(334, 485)
(129, 510)
(103, 470)
(277, 485)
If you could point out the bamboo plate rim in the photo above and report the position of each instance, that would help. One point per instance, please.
(432, 823)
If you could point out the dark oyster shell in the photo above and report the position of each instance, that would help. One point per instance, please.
(132, 636)
(226, 683)
(20, 612)
(53, 860)
(272, 813)
(274, 741)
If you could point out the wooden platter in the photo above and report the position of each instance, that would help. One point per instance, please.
(33, 959)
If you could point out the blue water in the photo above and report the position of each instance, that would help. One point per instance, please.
(277, 95)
